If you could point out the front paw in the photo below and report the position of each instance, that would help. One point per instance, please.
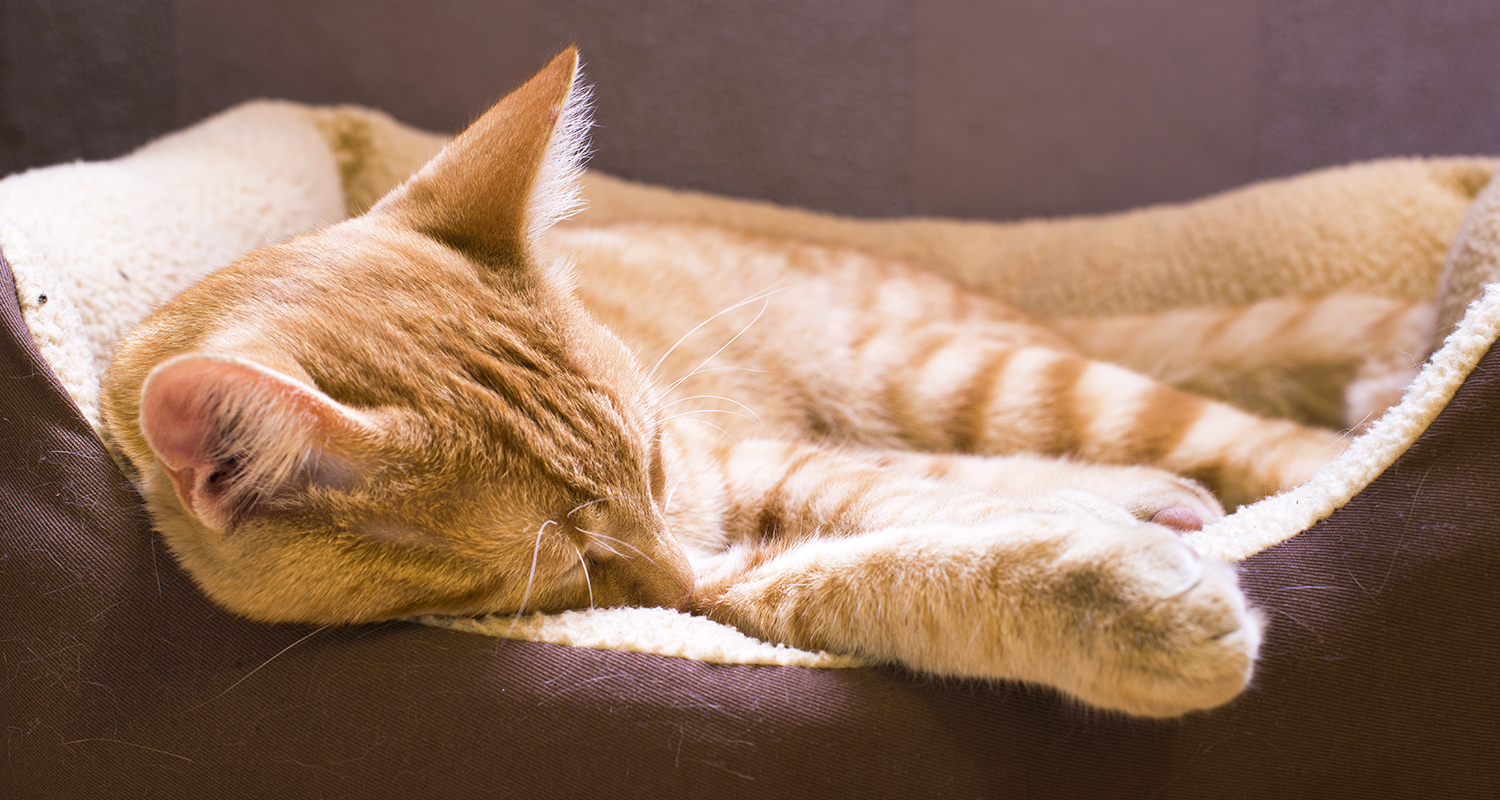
(1153, 495)
(1117, 613)
(1144, 493)
(1161, 631)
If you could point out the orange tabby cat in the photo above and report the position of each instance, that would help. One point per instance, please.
(440, 407)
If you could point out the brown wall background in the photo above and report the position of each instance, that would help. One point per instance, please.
(971, 108)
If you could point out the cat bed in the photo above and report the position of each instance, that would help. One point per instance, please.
(1378, 674)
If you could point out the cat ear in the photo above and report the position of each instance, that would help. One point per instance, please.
(230, 432)
(508, 177)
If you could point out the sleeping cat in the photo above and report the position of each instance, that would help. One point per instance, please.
(444, 407)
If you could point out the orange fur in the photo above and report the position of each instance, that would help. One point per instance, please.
(1326, 360)
(440, 407)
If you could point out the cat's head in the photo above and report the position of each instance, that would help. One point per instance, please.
(408, 412)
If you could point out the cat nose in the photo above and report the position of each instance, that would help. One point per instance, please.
(673, 588)
(661, 590)
(665, 580)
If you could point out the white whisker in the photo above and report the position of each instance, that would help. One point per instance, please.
(708, 411)
(582, 506)
(709, 424)
(732, 340)
(698, 372)
(763, 294)
(610, 549)
(530, 579)
(585, 564)
(618, 541)
(717, 397)
(667, 505)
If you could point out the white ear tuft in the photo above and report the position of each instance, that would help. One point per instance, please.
(506, 178)
(555, 194)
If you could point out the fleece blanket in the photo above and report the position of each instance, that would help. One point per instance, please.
(95, 246)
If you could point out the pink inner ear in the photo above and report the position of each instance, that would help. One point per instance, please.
(174, 416)
(279, 423)
(277, 420)
(177, 422)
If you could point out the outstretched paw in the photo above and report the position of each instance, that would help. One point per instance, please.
(1171, 632)
(1145, 493)
(1171, 501)
(1179, 518)
(1150, 495)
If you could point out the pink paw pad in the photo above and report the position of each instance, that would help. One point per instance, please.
(1179, 518)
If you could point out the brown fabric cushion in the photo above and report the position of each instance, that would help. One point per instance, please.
(1379, 675)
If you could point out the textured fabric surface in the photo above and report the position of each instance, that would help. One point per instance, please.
(85, 79)
(963, 108)
(97, 245)
(1379, 678)
(645, 630)
(1473, 262)
(1382, 227)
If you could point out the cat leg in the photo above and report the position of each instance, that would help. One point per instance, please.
(973, 396)
(832, 549)
(1122, 616)
(762, 489)
(1294, 357)
(1149, 494)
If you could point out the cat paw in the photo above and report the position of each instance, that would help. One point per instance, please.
(1153, 495)
(1171, 501)
(1179, 518)
(1120, 614)
(1163, 631)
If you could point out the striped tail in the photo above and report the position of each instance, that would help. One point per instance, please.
(992, 399)
(1308, 359)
